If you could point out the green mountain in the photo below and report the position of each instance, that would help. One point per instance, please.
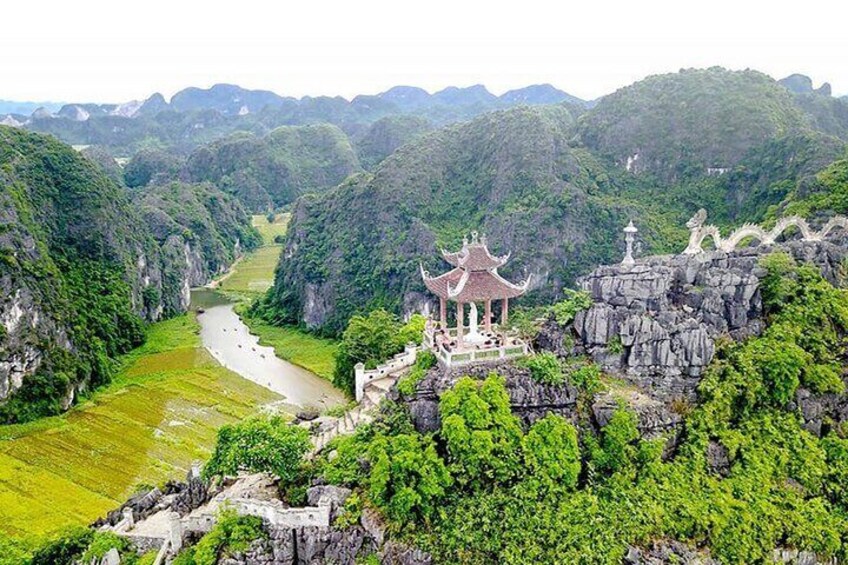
(387, 134)
(275, 169)
(80, 270)
(512, 175)
(691, 123)
(554, 186)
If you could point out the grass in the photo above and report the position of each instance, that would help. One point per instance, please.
(159, 415)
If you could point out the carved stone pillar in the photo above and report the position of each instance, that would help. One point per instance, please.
(488, 324)
(460, 315)
(505, 313)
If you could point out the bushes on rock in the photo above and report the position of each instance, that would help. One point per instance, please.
(259, 444)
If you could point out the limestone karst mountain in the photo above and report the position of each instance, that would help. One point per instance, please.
(553, 185)
(80, 268)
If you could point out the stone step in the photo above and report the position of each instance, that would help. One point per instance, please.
(383, 384)
(372, 397)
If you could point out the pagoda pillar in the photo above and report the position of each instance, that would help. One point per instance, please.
(460, 314)
(443, 313)
(488, 324)
(504, 313)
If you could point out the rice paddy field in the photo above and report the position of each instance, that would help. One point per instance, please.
(254, 274)
(159, 415)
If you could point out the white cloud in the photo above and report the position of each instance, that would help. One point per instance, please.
(93, 50)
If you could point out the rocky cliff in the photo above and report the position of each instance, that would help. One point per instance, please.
(80, 268)
(656, 323)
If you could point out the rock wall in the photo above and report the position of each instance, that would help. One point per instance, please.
(655, 323)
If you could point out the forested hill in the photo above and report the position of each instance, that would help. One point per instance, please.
(196, 116)
(554, 186)
(80, 269)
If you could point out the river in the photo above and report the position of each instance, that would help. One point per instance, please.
(229, 340)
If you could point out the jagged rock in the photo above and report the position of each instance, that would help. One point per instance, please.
(655, 323)
(395, 553)
(822, 412)
(308, 415)
(718, 458)
(373, 523)
(654, 418)
(666, 552)
(328, 494)
(111, 557)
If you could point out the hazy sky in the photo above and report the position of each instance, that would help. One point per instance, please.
(112, 51)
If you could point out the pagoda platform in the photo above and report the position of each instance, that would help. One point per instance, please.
(496, 345)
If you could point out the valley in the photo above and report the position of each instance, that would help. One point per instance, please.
(211, 279)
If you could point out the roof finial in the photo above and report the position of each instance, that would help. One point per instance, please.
(473, 237)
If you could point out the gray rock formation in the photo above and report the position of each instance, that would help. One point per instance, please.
(667, 552)
(529, 400)
(655, 323)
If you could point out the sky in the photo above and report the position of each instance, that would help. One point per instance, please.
(115, 51)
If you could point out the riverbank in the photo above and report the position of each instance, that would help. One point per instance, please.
(159, 415)
(250, 278)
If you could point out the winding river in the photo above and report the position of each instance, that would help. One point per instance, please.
(229, 340)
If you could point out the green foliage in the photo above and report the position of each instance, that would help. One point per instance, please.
(371, 340)
(617, 449)
(262, 443)
(586, 377)
(231, 534)
(481, 435)
(351, 512)
(551, 454)
(574, 302)
(407, 477)
(65, 549)
(545, 368)
(102, 542)
(424, 360)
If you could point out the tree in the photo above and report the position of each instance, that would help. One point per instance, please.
(259, 444)
(407, 476)
(372, 340)
(551, 454)
(483, 438)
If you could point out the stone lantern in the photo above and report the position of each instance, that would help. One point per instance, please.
(630, 232)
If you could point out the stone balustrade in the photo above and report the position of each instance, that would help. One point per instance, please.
(393, 365)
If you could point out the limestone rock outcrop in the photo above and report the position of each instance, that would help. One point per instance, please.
(655, 323)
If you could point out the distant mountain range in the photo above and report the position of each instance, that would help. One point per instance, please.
(230, 99)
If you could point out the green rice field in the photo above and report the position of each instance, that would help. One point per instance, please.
(159, 415)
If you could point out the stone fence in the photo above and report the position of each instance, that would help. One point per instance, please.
(396, 363)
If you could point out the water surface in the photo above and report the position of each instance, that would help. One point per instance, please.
(231, 343)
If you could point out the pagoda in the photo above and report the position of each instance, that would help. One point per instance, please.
(474, 278)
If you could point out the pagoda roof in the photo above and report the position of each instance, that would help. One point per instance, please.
(474, 255)
(462, 285)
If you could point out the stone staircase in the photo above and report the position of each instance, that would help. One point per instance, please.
(374, 392)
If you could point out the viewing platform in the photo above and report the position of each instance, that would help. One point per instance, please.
(450, 351)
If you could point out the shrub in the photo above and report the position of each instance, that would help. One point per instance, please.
(566, 309)
(407, 476)
(481, 435)
(231, 534)
(551, 453)
(259, 444)
(65, 549)
(370, 340)
(545, 368)
(424, 361)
